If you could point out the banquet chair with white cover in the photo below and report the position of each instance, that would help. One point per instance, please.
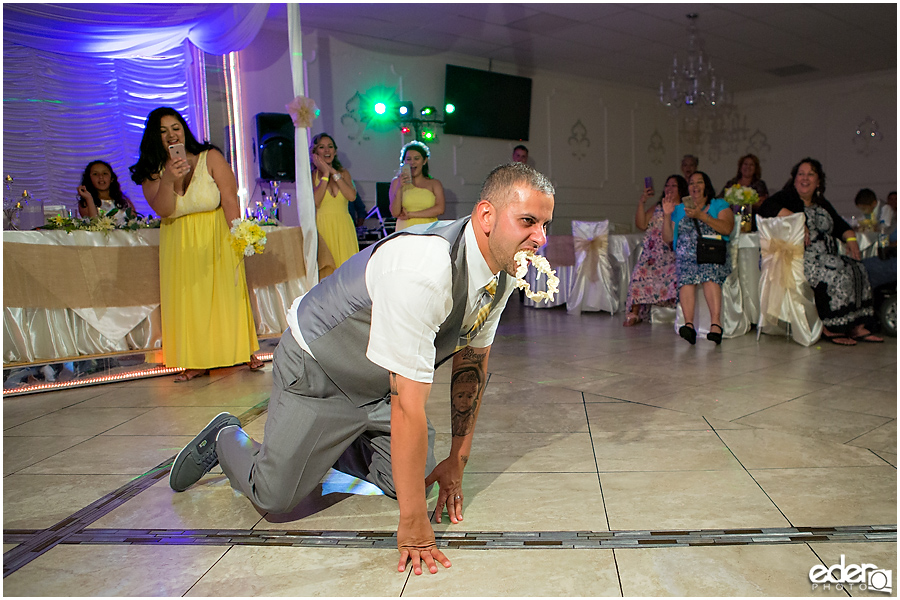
(594, 287)
(735, 322)
(786, 302)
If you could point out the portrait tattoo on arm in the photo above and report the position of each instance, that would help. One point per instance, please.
(466, 387)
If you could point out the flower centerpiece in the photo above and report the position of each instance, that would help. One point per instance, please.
(105, 223)
(743, 197)
(542, 265)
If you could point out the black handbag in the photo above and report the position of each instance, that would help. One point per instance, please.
(710, 251)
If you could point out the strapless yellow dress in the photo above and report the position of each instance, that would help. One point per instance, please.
(416, 199)
(336, 227)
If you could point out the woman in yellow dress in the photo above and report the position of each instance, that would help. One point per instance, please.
(332, 190)
(207, 321)
(416, 197)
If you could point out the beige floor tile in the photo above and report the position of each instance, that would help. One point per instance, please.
(661, 451)
(882, 439)
(120, 454)
(507, 572)
(803, 419)
(73, 421)
(502, 390)
(521, 417)
(861, 400)
(39, 501)
(174, 421)
(734, 397)
(833, 496)
(21, 409)
(549, 371)
(303, 572)
(631, 388)
(218, 393)
(764, 449)
(530, 502)
(86, 570)
(687, 500)
(881, 554)
(22, 452)
(524, 452)
(209, 504)
(722, 571)
(811, 369)
(7, 547)
(872, 381)
(630, 416)
(888, 457)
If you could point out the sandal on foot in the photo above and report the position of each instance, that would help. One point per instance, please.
(631, 320)
(688, 333)
(840, 340)
(870, 338)
(189, 374)
(715, 337)
(255, 363)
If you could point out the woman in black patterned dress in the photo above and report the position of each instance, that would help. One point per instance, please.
(840, 284)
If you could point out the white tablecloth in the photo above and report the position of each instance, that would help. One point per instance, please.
(38, 334)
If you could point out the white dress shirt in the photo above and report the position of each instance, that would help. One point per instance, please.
(409, 281)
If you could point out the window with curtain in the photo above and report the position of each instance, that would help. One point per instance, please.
(61, 112)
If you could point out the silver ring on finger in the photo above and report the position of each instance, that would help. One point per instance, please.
(458, 497)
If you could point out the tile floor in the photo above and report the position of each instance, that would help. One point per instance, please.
(608, 461)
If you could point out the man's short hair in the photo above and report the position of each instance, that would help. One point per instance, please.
(520, 147)
(865, 196)
(498, 186)
(692, 158)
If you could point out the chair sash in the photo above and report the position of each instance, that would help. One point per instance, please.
(594, 287)
(786, 301)
(596, 252)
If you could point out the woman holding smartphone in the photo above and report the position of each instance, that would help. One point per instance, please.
(207, 321)
(699, 214)
(653, 277)
(416, 197)
(332, 190)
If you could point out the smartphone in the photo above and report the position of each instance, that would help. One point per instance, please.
(406, 171)
(688, 202)
(177, 151)
(648, 182)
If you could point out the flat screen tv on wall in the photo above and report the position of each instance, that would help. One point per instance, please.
(487, 104)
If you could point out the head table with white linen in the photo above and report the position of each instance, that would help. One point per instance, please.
(68, 295)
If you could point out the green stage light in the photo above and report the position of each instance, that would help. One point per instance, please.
(428, 135)
(380, 108)
(427, 111)
(449, 109)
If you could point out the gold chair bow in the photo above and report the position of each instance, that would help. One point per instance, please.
(593, 248)
(778, 265)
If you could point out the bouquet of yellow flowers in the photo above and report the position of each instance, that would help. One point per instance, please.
(247, 237)
(738, 194)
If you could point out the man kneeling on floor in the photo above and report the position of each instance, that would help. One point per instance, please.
(353, 372)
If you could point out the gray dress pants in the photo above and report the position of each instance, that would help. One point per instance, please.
(311, 427)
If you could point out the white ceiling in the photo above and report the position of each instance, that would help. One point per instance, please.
(631, 44)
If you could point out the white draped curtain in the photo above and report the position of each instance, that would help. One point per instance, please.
(80, 79)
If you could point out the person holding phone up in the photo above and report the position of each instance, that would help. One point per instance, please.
(700, 214)
(416, 197)
(207, 321)
(332, 190)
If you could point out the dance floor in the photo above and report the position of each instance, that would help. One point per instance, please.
(607, 461)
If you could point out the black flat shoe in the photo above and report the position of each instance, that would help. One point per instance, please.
(688, 333)
(715, 337)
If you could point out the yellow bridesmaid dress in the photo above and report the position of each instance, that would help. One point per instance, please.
(336, 227)
(207, 321)
(416, 199)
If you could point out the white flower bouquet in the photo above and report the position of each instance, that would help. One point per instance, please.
(740, 195)
(247, 237)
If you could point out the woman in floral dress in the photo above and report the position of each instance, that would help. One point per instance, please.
(653, 278)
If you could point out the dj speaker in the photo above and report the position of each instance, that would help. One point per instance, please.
(275, 145)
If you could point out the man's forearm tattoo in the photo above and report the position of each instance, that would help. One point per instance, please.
(394, 391)
(466, 387)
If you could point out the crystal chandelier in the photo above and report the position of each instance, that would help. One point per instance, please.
(694, 83)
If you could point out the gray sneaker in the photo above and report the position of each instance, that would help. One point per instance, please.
(197, 458)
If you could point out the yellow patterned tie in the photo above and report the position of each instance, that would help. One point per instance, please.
(487, 298)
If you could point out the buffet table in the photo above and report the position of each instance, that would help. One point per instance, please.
(68, 295)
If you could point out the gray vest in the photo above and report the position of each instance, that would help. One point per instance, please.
(335, 317)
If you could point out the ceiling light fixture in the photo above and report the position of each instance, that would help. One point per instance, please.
(695, 83)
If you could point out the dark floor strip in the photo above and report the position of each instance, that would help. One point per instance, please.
(476, 539)
(44, 539)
